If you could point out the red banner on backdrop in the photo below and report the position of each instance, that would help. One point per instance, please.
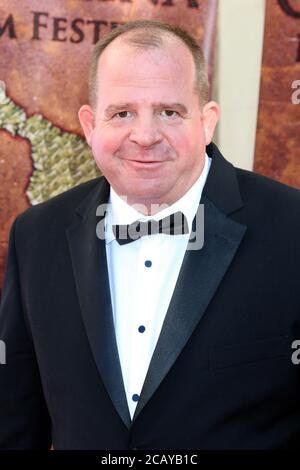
(45, 47)
(277, 151)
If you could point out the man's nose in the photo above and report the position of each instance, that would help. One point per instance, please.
(145, 131)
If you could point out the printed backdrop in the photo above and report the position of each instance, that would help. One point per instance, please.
(277, 152)
(45, 47)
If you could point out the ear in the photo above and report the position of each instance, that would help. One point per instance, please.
(86, 118)
(210, 116)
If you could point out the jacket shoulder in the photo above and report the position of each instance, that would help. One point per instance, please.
(254, 186)
(59, 209)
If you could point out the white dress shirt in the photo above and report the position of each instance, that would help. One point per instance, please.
(142, 277)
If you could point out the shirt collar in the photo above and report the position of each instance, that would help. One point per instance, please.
(119, 212)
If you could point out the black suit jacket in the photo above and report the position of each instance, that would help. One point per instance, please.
(221, 376)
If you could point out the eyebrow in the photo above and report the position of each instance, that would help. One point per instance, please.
(115, 108)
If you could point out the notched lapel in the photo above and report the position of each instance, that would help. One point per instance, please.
(199, 277)
(88, 256)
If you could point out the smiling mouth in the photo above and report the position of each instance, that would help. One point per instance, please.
(145, 164)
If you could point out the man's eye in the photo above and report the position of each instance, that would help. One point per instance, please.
(169, 113)
(122, 114)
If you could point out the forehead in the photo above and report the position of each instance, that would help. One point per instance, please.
(124, 65)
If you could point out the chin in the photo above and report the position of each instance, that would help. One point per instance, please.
(142, 190)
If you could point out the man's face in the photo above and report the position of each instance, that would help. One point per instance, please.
(148, 134)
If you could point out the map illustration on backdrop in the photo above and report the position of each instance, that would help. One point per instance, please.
(61, 159)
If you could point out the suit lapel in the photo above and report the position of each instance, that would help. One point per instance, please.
(200, 275)
(88, 255)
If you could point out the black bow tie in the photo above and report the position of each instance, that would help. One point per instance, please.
(174, 224)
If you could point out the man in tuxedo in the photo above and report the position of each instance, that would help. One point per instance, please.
(143, 342)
